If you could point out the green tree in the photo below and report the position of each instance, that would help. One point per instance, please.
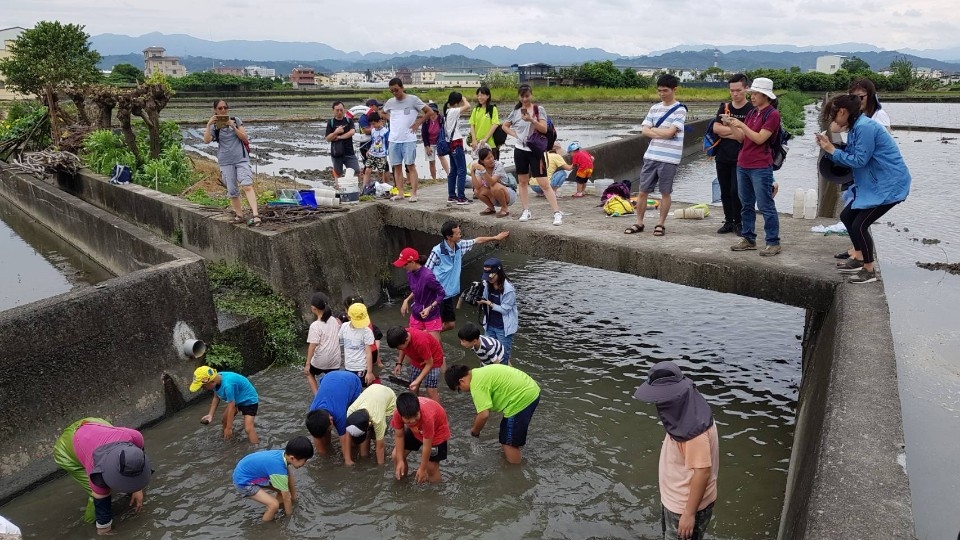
(855, 64)
(47, 58)
(501, 80)
(125, 73)
(713, 73)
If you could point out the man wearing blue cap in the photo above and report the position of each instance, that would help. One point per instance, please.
(690, 455)
(446, 261)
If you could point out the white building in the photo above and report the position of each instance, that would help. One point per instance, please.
(465, 80)
(382, 75)
(424, 76)
(829, 63)
(928, 73)
(7, 35)
(260, 71)
(345, 78)
(154, 61)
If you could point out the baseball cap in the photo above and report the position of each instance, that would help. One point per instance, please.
(493, 264)
(124, 466)
(201, 376)
(372, 102)
(664, 383)
(574, 145)
(358, 315)
(358, 423)
(407, 255)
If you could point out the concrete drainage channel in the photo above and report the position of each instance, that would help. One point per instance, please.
(845, 479)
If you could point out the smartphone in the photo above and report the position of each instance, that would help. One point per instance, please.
(223, 121)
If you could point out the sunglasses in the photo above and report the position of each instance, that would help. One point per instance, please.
(222, 108)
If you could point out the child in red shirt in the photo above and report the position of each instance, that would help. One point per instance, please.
(584, 162)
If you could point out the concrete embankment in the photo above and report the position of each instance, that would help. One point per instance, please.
(108, 350)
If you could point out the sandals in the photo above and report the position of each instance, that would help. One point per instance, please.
(255, 221)
(505, 213)
(659, 230)
(634, 229)
(488, 212)
(237, 220)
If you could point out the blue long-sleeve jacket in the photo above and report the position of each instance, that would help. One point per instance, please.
(507, 307)
(880, 175)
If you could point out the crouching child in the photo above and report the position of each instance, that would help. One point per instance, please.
(266, 476)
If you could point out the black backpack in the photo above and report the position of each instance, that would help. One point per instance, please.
(777, 143)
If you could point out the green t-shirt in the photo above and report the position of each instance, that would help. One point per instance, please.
(502, 388)
(480, 121)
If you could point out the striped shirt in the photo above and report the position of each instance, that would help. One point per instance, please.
(666, 150)
(489, 350)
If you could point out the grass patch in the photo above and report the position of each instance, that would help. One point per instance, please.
(224, 356)
(238, 290)
(201, 197)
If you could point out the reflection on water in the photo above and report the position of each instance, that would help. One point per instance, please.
(36, 263)
(591, 461)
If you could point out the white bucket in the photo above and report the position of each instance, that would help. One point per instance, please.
(810, 204)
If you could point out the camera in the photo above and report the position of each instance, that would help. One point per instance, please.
(474, 293)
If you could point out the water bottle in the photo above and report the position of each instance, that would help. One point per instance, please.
(810, 204)
(798, 202)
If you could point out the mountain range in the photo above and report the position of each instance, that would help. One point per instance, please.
(200, 54)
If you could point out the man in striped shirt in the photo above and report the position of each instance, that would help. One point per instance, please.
(488, 349)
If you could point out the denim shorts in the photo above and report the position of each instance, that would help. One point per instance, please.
(236, 175)
(403, 153)
(432, 378)
(670, 521)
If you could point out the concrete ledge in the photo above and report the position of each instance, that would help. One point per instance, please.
(96, 351)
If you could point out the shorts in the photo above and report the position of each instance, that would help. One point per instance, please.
(669, 522)
(317, 371)
(657, 172)
(377, 164)
(448, 311)
(234, 176)
(349, 161)
(437, 454)
(432, 378)
(511, 195)
(248, 410)
(403, 153)
(529, 162)
(433, 325)
(363, 376)
(556, 180)
(431, 156)
(248, 490)
(513, 430)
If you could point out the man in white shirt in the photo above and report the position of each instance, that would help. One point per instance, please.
(403, 110)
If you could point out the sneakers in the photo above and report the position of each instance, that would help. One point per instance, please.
(413, 198)
(558, 218)
(462, 202)
(451, 200)
(743, 245)
(850, 266)
(726, 228)
(525, 216)
(770, 251)
(863, 276)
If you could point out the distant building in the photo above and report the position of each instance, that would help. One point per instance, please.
(928, 73)
(345, 78)
(424, 76)
(227, 70)
(405, 75)
(382, 75)
(464, 80)
(303, 77)
(154, 61)
(259, 71)
(323, 80)
(7, 35)
(829, 63)
(534, 74)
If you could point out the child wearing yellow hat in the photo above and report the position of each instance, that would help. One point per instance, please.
(233, 389)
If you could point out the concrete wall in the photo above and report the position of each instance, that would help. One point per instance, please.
(108, 350)
(622, 159)
(328, 254)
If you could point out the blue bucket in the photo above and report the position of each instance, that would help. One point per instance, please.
(308, 198)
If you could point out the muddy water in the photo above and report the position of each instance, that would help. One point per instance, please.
(36, 263)
(591, 462)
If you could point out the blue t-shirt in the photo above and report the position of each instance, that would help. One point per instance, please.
(237, 388)
(266, 467)
(337, 391)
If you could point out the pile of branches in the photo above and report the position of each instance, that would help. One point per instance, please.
(47, 161)
(285, 215)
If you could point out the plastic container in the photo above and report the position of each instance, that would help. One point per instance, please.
(810, 204)
(328, 201)
(324, 192)
(349, 193)
(288, 196)
(308, 198)
(799, 196)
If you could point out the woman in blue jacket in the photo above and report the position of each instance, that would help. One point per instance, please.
(881, 179)
(501, 317)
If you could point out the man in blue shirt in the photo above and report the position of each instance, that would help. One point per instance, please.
(446, 261)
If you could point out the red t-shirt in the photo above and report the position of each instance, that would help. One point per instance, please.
(433, 422)
(422, 346)
(753, 156)
(584, 162)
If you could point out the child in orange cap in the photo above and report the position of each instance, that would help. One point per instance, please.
(233, 389)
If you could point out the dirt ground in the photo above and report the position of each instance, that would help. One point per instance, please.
(209, 172)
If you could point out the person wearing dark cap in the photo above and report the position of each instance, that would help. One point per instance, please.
(104, 459)
(690, 455)
(368, 416)
(499, 388)
(501, 316)
(446, 261)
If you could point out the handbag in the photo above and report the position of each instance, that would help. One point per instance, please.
(536, 141)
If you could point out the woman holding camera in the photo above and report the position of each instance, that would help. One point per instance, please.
(233, 156)
(501, 316)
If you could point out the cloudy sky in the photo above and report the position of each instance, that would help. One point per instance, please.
(628, 27)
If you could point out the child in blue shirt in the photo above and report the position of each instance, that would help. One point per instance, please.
(270, 471)
(336, 392)
(233, 389)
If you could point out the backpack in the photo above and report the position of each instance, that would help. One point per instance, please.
(120, 174)
(777, 143)
(246, 144)
(617, 206)
(710, 139)
(621, 189)
(443, 145)
(510, 181)
(536, 139)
